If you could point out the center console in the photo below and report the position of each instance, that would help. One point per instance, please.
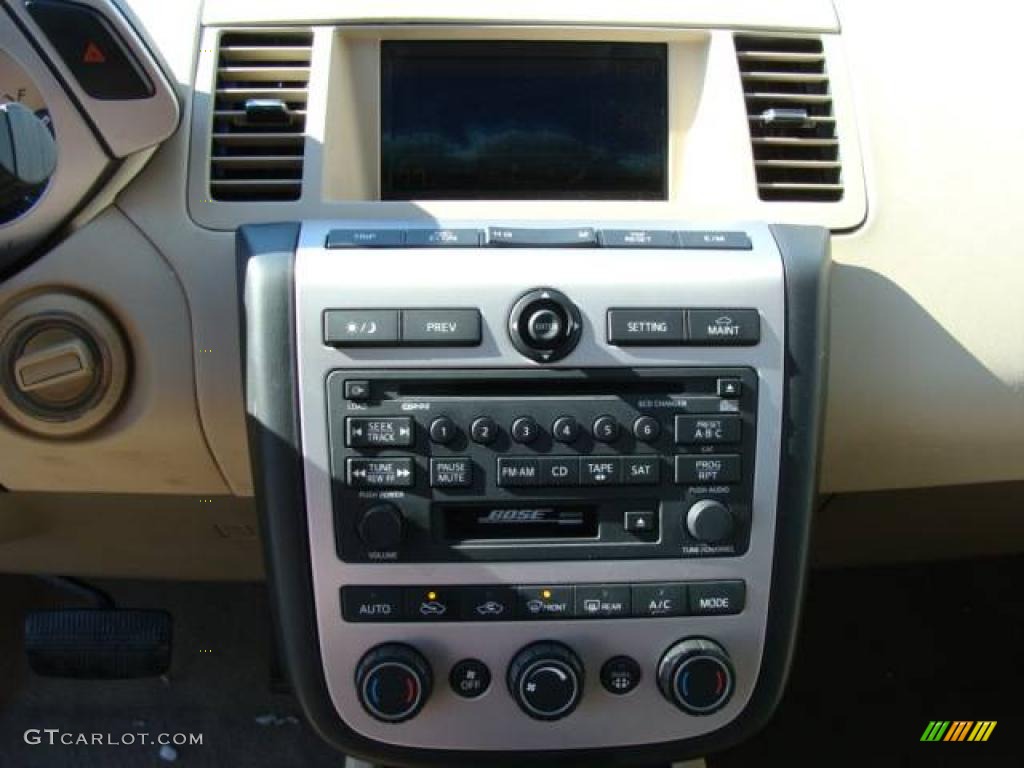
(534, 490)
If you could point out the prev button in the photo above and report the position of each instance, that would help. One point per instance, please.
(441, 327)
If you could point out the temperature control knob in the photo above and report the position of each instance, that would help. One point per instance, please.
(710, 521)
(695, 674)
(546, 680)
(393, 682)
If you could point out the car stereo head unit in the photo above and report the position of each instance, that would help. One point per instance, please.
(534, 484)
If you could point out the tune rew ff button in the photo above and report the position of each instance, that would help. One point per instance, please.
(393, 682)
(696, 675)
(545, 325)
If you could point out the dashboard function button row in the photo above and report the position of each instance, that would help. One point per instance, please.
(431, 604)
(545, 602)
(659, 600)
(525, 430)
(643, 522)
(453, 472)
(603, 470)
(557, 470)
(488, 604)
(606, 429)
(378, 432)
(566, 429)
(90, 50)
(707, 430)
(646, 429)
(729, 388)
(381, 528)
(484, 430)
(708, 469)
(360, 604)
(620, 675)
(646, 327)
(441, 327)
(598, 601)
(637, 238)
(365, 238)
(518, 473)
(380, 473)
(442, 430)
(716, 240)
(724, 327)
(361, 327)
(565, 237)
(470, 678)
(641, 470)
(717, 598)
(357, 389)
(443, 238)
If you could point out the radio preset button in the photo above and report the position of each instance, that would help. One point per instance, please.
(606, 429)
(518, 473)
(558, 470)
(565, 429)
(453, 472)
(708, 469)
(484, 430)
(525, 430)
(601, 470)
(371, 432)
(646, 429)
(380, 473)
(442, 430)
(641, 470)
(708, 430)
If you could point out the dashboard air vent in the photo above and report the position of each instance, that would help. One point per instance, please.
(789, 111)
(259, 118)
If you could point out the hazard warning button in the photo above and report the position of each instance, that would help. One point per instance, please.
(91, 49)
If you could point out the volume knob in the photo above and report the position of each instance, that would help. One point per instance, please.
(381, 527)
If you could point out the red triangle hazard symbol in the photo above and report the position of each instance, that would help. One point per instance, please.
(93, 54)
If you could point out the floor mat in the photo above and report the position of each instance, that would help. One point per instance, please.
(885, 651)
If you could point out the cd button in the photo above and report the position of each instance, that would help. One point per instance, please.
(559, 471)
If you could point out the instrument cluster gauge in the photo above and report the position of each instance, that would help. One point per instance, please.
(16, 85)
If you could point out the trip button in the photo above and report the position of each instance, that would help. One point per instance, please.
(367, 432)
(715, 240)
(441, 327)
(365, 238)
(518, 473)
(488, 604)
(380, 473)
(646, 327)
(707, 430)
(371, 603)
(717, 598)
(707, 469)
(432, 604)
(724, 327)
(455, 472)
(596, 601)
(656, 600)
(545, 603)
(361, 327)
(603, 470)
(559, 471)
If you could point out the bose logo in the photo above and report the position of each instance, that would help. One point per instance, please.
(515, 516)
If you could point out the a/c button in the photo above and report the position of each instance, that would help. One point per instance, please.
(656, 600)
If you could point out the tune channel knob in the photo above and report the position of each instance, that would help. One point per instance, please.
(710, 521)
(393, 682)
(381, 527)
(696, 675)
(546, 680)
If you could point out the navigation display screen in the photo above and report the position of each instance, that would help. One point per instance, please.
(498, 120)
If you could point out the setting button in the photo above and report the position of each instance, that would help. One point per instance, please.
(375, 432)
(361, 327)
(371, 603)
(656, 600)
(470, 678)
(707, 430)
(596, 601)
(717, 598)
(620, 675)
(380, 473)
(441, 327)
(646, 327)
(724, 327)
(707, 469)
(454, 472)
